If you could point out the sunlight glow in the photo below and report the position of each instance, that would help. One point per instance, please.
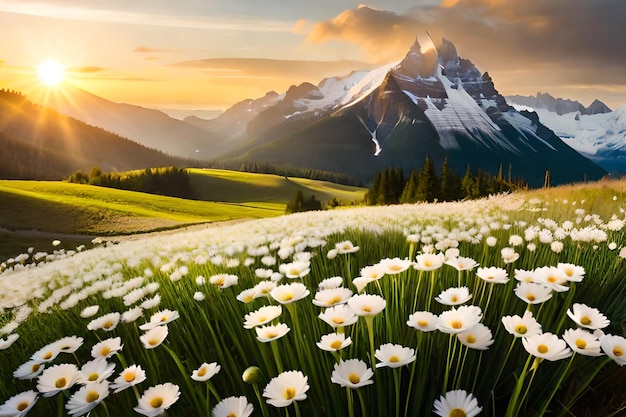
(50, 72)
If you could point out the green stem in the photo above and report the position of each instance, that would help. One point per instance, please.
(396, 382)
(350, 402)
(448, 362)
(276, 354)
(362, 402)
(257, 392)
(491, 284)
(584, 386)
(60, 405)
(511, 410)
(369, 321)
(297, 408)
(432, 287)
(556, 386)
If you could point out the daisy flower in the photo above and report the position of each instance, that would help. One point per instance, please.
(614, 347)
(297, 269)
(157, 399)
(574, 273)
(588, 317)
(582, 341)
(269, 333)
(160, 318)
(151, 302)
(338, 316)
(233, 407)
(87, 398)
(552, 277)
(476, 337)
(457, 403)
(372, 272)
(47, 353)
(345, 247)
(288, 293)
(429, 261)
(394, 356)
(6, 343)
(523, 275)
(247, 296)
(132, 314)
(395, 265)
(533, 293)
(261, 316)
(205, 372)
(330, 283)
(331, 297)
(286, 388)
(353, 373)
(361, 282)
(69, 344)
(107, 348)
(546, 346)
(454, 296)
(95, 370)
(423, 320)
(154, 337)
(130, 376)
(29, 370)
(57, 378)
(20, 404)
(509, 255)
(366, 304)
(334, 341)
(458, 320)
(461, 263)
(493, 274)
(524, 326)
(89, 311)
(107, 322)
(224, 280)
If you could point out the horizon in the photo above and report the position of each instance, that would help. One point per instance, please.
(195, 56)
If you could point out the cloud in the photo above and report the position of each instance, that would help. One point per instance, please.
(493, 33)
(87, 69)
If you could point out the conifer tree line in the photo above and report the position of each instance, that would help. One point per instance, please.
(390, 186)
(299, 203)
(169, 181)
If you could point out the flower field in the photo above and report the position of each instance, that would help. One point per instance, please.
(508, 306)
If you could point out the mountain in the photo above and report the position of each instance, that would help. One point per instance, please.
(559, 106)
(39, 143)
(149, 127)
(601, 136)
(432, 103)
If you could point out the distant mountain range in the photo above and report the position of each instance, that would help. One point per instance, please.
(596, 132)
(39, 143)
(432, 102)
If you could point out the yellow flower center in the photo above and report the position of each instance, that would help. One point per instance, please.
(336, 344)
(219, 282)
(66, 347)
(287, 296)
(92, 396)
(354, 378)
(531, 297)
(129, 376)
(156, 402)
(202, 371)
(551, 279)
(521, 329)
(457, 324)
(107, 324)
(289, 393)
(454, 298)
(105, 350)
(164, 318)
(338, 320)
(60, 383)
(153, 342)
(428, 264)
(22, 406)
(488, 277)
(618, 351)
(395, 268)
(585, 321)
(93, 376)
(471, 339)
(333, 300)
(248, 298)
(231, 414)
(581, 344)
(457, 412)
(542, 348)
(394, 359)
(47, 355)
(35, 367)
(422, 323)
(271, 335)
(367, 309)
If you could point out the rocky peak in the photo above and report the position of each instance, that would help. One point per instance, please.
(418, 64)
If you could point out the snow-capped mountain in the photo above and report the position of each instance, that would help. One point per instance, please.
(559, 106)
(432, 103)
(600, 137)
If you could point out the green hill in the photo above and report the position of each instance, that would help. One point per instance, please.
(33, 213)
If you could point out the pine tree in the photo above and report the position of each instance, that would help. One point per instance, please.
(450, 183)
(428, 184)
(409, 194)
(467, 183)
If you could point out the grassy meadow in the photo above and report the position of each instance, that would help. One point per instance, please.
(512, 305)
(40, 210)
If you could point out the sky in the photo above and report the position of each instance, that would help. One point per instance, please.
(210, 54)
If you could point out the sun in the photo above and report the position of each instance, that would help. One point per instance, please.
(50, 72)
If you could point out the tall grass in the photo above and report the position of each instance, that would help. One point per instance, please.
(189, 272)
